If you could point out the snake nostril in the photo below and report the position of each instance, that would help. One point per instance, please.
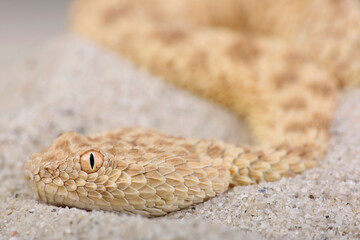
(28, 175)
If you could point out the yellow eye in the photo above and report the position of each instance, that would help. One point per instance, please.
(91, 161)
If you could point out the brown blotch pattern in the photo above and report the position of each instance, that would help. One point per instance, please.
(298, 126)
(112, 13)
(294, 59)
(171, 36)
(321, 121)
(285, 79)
(215, 151)
(320, 124)
(305, 151)
(243, 50)
(296, 103)
(198, 61)
(322, 89)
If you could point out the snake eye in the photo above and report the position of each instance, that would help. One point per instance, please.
(91, 161)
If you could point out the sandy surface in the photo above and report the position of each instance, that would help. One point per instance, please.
(70, 84)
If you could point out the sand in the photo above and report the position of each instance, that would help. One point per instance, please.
(71, 84)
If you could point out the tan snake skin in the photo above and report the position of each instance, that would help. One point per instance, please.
(277, 64)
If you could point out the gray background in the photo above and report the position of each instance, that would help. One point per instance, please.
(25, 24)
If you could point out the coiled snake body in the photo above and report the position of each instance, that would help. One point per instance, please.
(235, 52)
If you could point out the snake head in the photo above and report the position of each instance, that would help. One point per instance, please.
(129, 170)
(74, 170)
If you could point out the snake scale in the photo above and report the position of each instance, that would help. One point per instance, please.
(278, 64)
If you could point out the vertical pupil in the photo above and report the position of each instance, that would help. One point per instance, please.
(92, 161)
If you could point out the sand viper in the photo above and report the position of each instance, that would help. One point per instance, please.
(278, 64)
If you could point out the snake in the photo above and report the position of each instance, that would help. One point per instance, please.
(279, 65)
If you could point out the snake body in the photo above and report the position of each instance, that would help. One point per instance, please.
(235, 52)
(148, 172)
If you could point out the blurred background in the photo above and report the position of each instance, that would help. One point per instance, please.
(25, 24)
